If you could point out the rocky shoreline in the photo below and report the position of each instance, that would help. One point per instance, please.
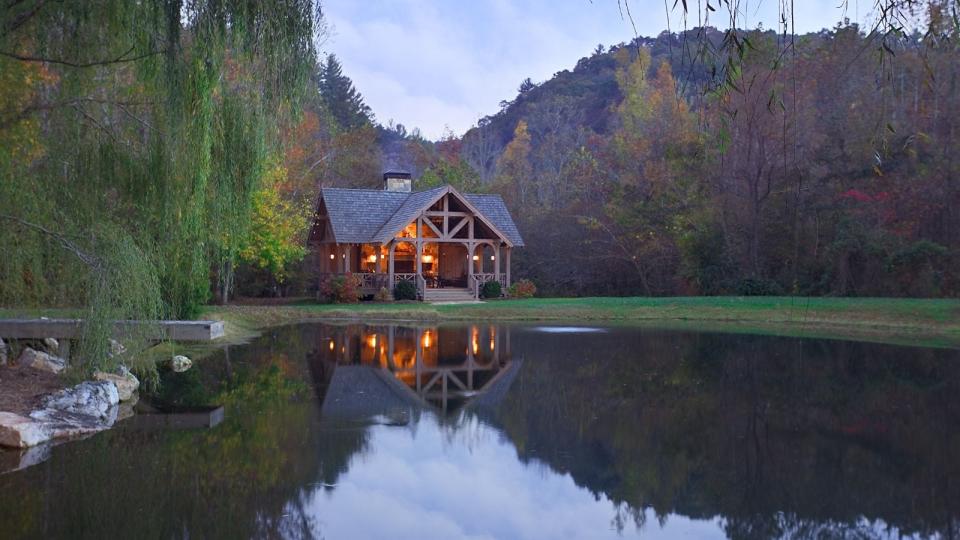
(36, 421)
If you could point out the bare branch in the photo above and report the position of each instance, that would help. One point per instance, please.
(84, 257)
(123, 58)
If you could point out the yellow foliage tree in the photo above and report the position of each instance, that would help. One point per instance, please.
(277, 228)
(514, 171)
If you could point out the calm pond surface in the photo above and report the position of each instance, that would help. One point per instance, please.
(479, 431)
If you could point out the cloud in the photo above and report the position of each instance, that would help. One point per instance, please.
(468, 485)
(446, 64)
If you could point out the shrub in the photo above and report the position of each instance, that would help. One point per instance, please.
(383, 295)
(758, 287)
(405, 290)
(523, 288)
(491, 289)
(341, 289)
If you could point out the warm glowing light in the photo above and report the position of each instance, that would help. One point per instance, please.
(372, 258)
(372, 341)
(427, 339)
(492, 257)
(331, 345)
(475, 257)
(475, 340)
(343, 256)
(331, 256)
(428, 258)
(491, 344)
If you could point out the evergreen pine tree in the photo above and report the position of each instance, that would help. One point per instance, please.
(339, 96)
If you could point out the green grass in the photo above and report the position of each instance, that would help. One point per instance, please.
(928, 322)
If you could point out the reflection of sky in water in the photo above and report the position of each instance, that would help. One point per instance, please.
(433, 482)
(568, 329)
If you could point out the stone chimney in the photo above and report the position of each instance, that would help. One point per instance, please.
(397, 181)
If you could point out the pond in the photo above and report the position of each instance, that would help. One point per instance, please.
(485, 431)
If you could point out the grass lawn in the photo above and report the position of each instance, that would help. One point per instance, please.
(930, 322)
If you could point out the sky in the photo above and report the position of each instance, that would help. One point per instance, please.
(440, 65)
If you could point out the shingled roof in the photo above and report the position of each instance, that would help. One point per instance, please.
(361, 216)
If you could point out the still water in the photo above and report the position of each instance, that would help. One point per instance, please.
(479, 431)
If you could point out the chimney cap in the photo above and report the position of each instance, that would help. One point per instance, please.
(396, 174)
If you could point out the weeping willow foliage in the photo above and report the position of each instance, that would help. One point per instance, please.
(132, 138)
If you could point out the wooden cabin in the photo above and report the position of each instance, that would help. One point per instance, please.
(447, 243)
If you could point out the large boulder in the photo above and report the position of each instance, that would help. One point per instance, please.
(21, 432)
(180, 363)
(127, 384)
(87, 408)
(42, 361)
(90, 398)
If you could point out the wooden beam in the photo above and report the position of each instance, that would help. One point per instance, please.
(459, 226)
(439, 213)
(70, 329)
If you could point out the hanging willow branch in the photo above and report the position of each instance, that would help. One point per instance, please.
(86, 258)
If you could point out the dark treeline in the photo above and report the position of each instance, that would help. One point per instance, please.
(821, 164)
(827, 169)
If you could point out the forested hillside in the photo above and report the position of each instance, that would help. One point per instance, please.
(825, 165)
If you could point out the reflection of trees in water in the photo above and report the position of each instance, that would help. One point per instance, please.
(248, 477)
(780, 437)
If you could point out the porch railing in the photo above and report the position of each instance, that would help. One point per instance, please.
(368, 280)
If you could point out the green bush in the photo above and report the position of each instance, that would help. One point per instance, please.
(491, 289)
(523, 288)
(405, 290)
(758, 287)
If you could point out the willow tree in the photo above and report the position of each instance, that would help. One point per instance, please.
(134, 135)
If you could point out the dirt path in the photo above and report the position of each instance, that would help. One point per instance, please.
(21, 388)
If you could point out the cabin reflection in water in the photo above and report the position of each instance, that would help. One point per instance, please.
(440, 366)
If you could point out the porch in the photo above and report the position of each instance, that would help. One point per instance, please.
(433, 268)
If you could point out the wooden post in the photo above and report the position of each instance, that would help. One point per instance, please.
(496, 261)
(393, 246)
(419, 255)
(346, 258)
(508, 250)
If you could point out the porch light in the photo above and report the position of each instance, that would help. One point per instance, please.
(372, 258)
(426, 340)
(428, 258)
(493, 257)
(372, 341)
(331, 345)
(343, 255)
(475, 257)
(331, 256)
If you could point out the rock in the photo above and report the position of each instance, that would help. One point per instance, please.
(116, 348)
(95, 399)
(52, 345)
(127, 408)
(127, 384)
(41, 360)
(180, 363)
(3, 352)
(21, 432)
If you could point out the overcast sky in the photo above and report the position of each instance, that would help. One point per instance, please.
(443, 64)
